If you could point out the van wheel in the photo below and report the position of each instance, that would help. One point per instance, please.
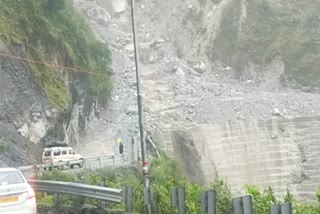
(60, 167)
(71, 166)
(81, 164)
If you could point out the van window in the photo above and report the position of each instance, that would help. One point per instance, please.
(56, 153)
(47, 153)
(71, 152)
(64, 152)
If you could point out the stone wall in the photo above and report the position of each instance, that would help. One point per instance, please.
(282, 153)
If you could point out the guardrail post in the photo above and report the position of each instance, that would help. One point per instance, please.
(102, 203)
(285, 208)
(243, 205)
(208, 202)
(84, 163)
(182, 200)
(203, 202)
(56, 199)
(81, 199)
(212, 202)
(114, 160)
(237, 206)
(247, 204)
(127, 192)
(275, 209)
(174, 197)
(178, 199)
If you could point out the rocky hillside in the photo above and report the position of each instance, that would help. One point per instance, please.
(259, 31)
(42, 103)
(208, 62)
(191, 66)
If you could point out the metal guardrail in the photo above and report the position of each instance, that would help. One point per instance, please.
(209, 203)
(84, 190)
(88, 163)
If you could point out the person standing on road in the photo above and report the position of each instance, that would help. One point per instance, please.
(121, 148)
(119, 141)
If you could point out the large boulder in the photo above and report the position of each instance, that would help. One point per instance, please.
(114, 6)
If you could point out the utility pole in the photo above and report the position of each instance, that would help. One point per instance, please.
(146, 181)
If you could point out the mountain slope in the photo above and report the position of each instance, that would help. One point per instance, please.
(205, 67)
(41, 103)
(286, 29)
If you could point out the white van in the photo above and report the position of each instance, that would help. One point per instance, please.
(60, 154)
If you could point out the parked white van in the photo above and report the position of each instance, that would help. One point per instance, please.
(61, 154)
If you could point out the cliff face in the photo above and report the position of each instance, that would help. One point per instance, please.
(41, 104)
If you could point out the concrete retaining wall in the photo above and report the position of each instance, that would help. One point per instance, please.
(281, 153)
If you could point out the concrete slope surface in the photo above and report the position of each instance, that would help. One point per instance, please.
(266, 131)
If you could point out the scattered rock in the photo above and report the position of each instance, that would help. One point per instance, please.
(180, 72)
(200, 67)
(99, 15)
(227, 68)
(274, 136)
(129, 48)
(276, 112)
(152, 59)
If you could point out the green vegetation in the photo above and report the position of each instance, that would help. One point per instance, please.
(166, 174)
(5, 148)
(289, 29)
(52, 31)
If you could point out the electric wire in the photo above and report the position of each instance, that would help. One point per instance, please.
(3, 55)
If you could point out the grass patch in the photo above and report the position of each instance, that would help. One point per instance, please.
(5, 148)
(53, 31)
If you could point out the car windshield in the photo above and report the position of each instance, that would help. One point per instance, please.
(11, 177)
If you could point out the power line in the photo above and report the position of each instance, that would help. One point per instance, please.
(51, 65)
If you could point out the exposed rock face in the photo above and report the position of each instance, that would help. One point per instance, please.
(27, 115)
(16, 150)
(22, 108)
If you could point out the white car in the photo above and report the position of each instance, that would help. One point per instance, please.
(16, 195)
(61, 154)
